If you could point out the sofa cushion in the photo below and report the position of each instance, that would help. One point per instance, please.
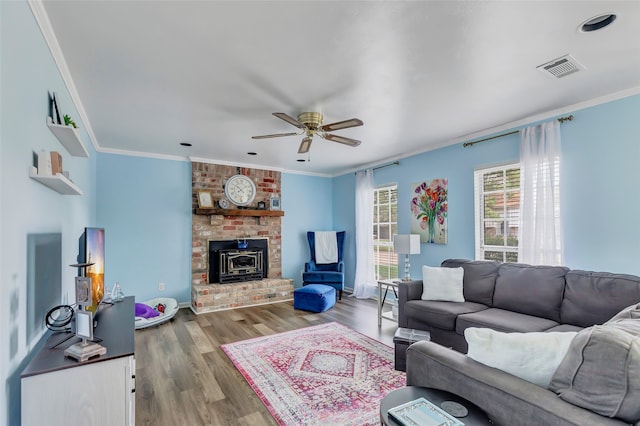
(532, 290)
(439, 314)
(591, 298)
(323, 277)
(501, 320)
(443, 284)
(533, 357)
(601, 371)
(479, 279)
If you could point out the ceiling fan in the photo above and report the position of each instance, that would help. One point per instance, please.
(311, 124)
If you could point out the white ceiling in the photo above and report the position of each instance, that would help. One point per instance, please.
(420, 74)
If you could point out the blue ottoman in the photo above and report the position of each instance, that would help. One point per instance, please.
(314, 297)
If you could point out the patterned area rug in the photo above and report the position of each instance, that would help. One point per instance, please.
(322, 375)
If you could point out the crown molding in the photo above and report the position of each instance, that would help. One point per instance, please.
(142, 154)
(547, 115)
(504, 127)
(40, 14)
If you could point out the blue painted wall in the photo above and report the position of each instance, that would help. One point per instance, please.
(455, 163)
(308, 204)
(145, 208)
(344, 219)
(144, 204)
(27, 73)
(599, 177)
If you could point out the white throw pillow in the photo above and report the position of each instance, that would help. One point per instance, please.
(533, 357)
(444, 284)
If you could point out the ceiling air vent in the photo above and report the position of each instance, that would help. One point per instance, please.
(561, 67)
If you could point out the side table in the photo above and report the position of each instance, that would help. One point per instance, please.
(393, 284)
(474, 416)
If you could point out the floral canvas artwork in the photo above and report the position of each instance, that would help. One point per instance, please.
(429, 210)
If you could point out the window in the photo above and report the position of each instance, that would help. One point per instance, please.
(497, 207)
(385, 226)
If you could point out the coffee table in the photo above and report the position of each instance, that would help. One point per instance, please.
(399, 396)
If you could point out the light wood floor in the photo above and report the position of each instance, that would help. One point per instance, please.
(184, 378)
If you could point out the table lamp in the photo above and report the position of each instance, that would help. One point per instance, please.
(406, 244)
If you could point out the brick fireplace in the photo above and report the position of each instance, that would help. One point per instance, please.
(219, 226)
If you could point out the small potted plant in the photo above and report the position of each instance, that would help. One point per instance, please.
(68, 121)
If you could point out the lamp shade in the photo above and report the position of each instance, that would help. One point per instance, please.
(406, 244)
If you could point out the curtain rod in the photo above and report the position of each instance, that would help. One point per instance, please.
(466, 144)
(395, 163)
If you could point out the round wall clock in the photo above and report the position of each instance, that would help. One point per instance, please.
(240, 190)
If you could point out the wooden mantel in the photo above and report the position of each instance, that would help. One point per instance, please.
(240, 212)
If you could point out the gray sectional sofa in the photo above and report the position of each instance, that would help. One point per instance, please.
(511, 298)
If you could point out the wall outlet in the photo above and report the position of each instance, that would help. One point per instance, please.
(161, 287)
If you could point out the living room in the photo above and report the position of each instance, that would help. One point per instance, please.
(144, 202)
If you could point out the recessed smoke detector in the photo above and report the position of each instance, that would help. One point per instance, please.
(597, 22)
(561, 67)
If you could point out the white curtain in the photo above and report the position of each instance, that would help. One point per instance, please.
(540, 233)
(365, 283)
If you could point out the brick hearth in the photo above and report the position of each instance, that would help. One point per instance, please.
(218, 297)
(207, 297)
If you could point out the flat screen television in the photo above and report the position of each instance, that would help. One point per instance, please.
(91, 250)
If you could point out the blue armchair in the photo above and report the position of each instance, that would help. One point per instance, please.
(325, 273)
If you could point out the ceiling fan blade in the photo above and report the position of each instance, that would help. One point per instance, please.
(290, 120)
(353, 122)
(341, 139)
(277, 135)
(305, 145)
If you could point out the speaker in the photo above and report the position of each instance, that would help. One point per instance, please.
(83, 291)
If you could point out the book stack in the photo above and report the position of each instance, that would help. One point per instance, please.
(56, 162)
(421, 412)
(44, 163)
(50, 164)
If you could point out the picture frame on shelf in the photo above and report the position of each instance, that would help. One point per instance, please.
(56, 109)
(205, 199)
(274, 203)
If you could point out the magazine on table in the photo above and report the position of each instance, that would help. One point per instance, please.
(421, 412)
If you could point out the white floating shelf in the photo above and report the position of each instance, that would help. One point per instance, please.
(69, 137)
(58, 183)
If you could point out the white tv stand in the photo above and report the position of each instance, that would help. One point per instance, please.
(57, 390)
